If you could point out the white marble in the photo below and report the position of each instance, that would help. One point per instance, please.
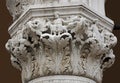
(66, 10)
(53, 46)
(55, 38)
(17, 7)
(62, 79)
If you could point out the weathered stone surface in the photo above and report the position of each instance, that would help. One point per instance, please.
(62, 79)
(62, 46)
(17, 7)
(59, 40)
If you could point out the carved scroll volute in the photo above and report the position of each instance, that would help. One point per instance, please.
(72, 45)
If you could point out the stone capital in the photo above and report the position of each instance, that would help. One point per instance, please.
(61, 44)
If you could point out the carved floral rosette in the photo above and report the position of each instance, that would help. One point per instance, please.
(71, 45)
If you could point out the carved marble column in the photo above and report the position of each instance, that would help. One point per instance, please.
(60, 41)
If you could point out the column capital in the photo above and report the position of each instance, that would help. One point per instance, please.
(70, 45)
(61, 40)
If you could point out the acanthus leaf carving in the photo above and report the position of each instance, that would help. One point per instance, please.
(62, 46)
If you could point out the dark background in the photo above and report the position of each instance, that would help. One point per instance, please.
(8, 74)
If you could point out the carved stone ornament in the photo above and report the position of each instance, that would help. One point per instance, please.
(61, 48)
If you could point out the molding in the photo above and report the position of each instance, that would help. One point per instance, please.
(62, 79)
(16, 8)
(42, 12)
